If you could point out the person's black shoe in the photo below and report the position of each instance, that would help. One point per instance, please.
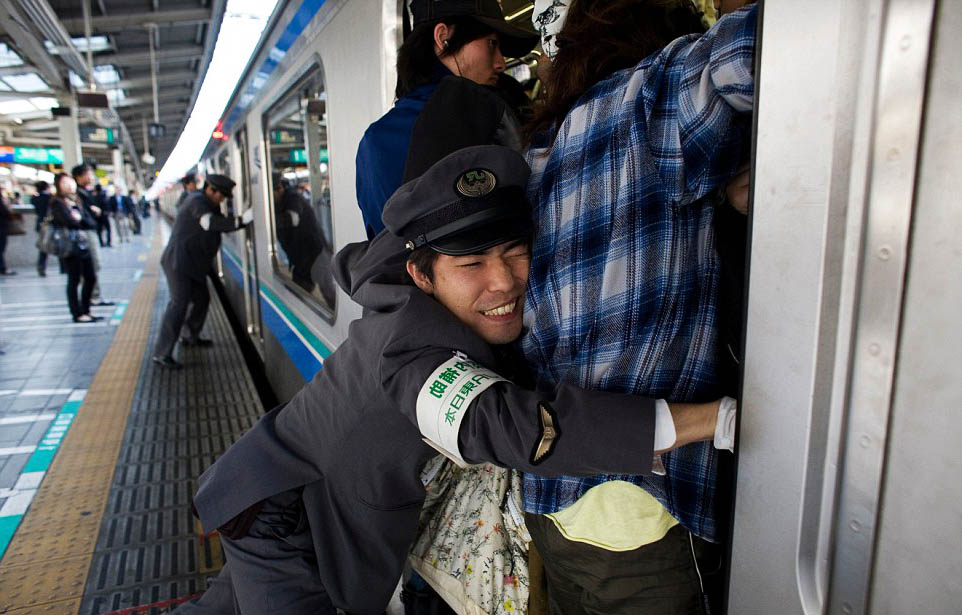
(199, 342)
(94, 318)
(41, 273)
(166, 361)
(102, 302)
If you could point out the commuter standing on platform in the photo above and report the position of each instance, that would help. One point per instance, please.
(449, 38)
(190, 252)
(69, 215)
(189, 182)
(106, 213)
(120, 207)
(6, 215)
(41, 205)
(83, 175)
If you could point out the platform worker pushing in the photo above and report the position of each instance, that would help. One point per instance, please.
(317, 505)
(188, 257)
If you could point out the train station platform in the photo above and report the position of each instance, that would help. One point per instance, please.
(100, 449)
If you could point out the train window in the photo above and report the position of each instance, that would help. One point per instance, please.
(224, 168)
(296, 134)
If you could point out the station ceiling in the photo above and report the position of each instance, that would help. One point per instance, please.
(44, 44)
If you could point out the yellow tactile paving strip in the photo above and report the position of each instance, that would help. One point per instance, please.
(45, 567)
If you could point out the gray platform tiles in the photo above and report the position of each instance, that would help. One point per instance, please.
(45, 355)
(150, 550)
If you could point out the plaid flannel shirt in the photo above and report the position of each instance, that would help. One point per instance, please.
(622, 293)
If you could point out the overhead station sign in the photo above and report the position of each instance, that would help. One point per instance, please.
(96, 134)
(31, 155)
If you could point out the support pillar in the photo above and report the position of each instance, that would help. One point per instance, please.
(120, 177)
(70, 136)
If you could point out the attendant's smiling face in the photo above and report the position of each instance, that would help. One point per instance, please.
(484, 291)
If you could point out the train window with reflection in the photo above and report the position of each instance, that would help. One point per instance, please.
(296, 137)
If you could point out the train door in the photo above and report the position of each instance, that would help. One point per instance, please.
(252, 304)
(847, 492)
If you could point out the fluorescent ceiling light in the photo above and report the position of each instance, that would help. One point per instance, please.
(240, 31)
(9, 57)
(97, 43)
(27, 82)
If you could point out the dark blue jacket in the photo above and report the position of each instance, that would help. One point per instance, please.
(384, 149)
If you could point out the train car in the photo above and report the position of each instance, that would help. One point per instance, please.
(847, 498)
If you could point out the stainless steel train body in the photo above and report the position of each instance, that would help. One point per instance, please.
(848, 498)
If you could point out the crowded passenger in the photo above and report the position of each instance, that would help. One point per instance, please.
(449, 38)
(637, 131)
(189, 255)
(41, 205)
(318, 503)
(76, 223)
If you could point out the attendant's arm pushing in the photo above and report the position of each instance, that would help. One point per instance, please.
(473, 415)
(225, 224)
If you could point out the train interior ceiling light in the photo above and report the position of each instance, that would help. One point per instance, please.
(240, 31)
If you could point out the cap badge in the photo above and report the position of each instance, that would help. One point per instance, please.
(476, 182)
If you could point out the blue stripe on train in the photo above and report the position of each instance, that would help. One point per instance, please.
(299, 21)
(292, 334)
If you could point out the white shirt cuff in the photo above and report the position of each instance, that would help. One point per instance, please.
(665, 434)
(725, 424)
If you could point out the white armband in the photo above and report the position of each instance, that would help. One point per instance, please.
(444, 400)
(725, 424)
(205, 221)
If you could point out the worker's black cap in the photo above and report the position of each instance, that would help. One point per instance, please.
(223, 184)
(465, 203)
(515, 41)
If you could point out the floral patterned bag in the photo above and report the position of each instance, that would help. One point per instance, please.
(472, 546)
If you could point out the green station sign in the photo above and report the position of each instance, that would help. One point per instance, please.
(38, 155)
(299, 156)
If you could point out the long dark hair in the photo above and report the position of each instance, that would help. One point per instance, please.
(600, 37)
(416, 60)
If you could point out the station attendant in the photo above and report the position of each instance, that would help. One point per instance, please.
(318, 503)
(188, 257)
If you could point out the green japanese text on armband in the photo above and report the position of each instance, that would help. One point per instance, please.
(445, 397)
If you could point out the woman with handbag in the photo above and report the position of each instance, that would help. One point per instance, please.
(74, 251)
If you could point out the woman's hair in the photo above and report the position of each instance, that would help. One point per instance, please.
(56, 182)
(600, 37)
(416, 60)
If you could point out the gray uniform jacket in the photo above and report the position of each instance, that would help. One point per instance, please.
(192, 247)
(350, 438)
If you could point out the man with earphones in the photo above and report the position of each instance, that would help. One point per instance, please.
(465, 39)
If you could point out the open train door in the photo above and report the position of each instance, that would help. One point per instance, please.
(848, 492)
(252, 303)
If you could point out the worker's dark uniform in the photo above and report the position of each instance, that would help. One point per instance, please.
(186, 260)
(339, 464)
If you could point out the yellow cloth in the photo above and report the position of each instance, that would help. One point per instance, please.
(616, 515)
(706, 8)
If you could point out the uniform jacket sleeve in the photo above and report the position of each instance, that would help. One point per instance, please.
(216, 222)
(596, 431)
